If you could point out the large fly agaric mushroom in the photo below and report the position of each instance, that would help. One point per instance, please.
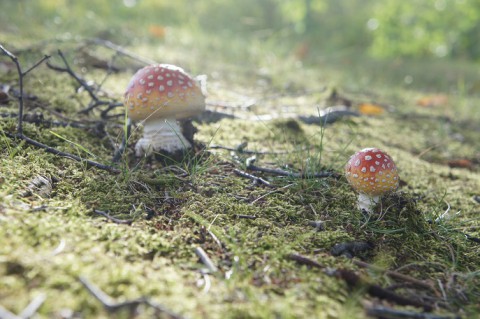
(159, 95)
(372, 173)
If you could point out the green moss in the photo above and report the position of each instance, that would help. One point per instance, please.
(51, 235)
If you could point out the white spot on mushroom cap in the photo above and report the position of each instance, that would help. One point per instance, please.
(169, 82)
(160, 78)
(372, 169)
(161, 88)
(368, 157)
(357, 162)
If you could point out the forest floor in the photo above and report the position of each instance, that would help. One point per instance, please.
(269, 237)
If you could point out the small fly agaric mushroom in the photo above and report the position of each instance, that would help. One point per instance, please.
(372, 173)
(159, 95)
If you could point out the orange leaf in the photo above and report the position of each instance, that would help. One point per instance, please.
(301, 50)
(433, 100)
(370, 109)
(157, 31)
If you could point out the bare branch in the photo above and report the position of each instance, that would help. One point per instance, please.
(46, 57)
(68, 70)
(384, 312)
(113, 219)
(121, 50)
(96, 101)
(291, 174)
(132, 305)
(20, 84)
(205, 259)
(63, 154)
(252, 177)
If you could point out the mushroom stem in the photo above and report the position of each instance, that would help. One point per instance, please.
(367, 202)
(161, 135)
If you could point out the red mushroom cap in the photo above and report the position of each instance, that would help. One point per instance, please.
(163, 91)
(372, 172)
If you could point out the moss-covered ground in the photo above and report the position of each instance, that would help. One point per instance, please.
(50, 235)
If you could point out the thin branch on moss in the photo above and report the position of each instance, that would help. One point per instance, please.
(28, 312)
(280, 172)
(113, 219)
(244, 151)
(354, 280)
(30, 141)
(205, 259)
(21, 75)
(396, 275)
(5, 314)
(120, 50)
(304, 260)
(96, 101)
(240, 216)
(38, 119)
(54, 151)
(252, 177)
(385, 312)
(132, 305)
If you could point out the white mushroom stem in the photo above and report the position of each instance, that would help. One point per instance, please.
(367, 202)
(161, 135)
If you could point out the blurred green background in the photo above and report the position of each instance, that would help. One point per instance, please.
(383, 28)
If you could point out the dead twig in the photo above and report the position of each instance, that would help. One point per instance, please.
(244, 151)
(396, 275)
(38, 119)
(132, 305)
(113, 219)
(52, 150)
(390, 313)
(205, 259)
(291, 174)
(240, 216)
(21, 75)
(303, 260)
(120, 50)
(26, 313)
(96, 101)
(354, 280)
(30, 141)
(252, 177)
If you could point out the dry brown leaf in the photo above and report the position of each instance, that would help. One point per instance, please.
(302, 50)
(157, 31)
(460, 163)
(433, 100)
(370, 109)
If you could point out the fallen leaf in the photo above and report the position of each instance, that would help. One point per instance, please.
(157, 31)
(433, 100)
(460, 163)
(370, 109)
(301, 51)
